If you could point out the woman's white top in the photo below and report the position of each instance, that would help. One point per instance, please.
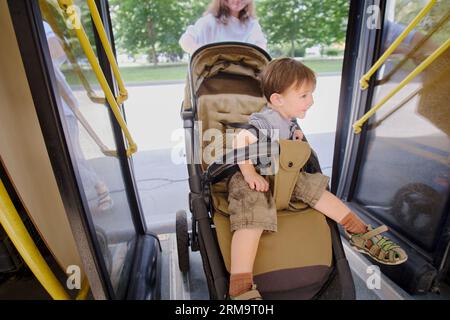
(208, 29)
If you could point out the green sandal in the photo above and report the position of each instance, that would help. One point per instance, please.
(252, 294)
(382, 249)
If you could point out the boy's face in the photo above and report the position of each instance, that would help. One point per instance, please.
(295, 101)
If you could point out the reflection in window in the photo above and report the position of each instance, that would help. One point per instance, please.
(90, 137)
(404, 177)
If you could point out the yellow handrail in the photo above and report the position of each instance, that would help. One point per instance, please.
(123, 94)
(104, 149)
(83, 291)
(14, 227)
(67, 6)
(76, 67)
(416, 48)
(358, 124)
(364, 82)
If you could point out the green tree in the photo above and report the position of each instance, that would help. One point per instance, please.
(147, 26)
(59, 22)
(192, 10)
(303, 23)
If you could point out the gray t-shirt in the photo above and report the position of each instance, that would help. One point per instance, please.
(273, 124)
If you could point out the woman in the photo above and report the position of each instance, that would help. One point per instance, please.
(225, 20)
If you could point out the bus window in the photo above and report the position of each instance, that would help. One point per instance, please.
(88, 131)
(404, 176)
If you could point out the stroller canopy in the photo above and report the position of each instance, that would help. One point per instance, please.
(220, 67)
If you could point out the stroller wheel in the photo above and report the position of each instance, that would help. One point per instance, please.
(182, 241)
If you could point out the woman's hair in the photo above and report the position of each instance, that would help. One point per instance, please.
(220, 10)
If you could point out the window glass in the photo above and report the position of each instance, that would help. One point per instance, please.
(91, 141)
(404, 175)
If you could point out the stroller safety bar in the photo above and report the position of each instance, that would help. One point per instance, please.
(228, 164)
(259, 153)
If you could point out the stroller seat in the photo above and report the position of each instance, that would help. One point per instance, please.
(294, 262)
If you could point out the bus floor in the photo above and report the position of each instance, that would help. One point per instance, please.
(192, 285)
(23, 285)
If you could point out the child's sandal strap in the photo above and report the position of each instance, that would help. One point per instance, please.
(382, 249)
(375, 232)
(374, 250)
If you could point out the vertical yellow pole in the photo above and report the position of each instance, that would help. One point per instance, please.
(358, 124)
(364, 82)
(14, 227)
(67, 6)
(123, 94)
(82, 294)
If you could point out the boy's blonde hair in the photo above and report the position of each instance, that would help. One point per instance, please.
(280, 74)
(220, 10)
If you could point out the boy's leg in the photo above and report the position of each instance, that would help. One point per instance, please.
(311, 189)
(244, 246)
(251, 212)
(334, 208)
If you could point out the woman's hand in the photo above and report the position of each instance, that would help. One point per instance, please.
(256, 181)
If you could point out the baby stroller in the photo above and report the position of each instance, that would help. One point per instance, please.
(305, 258)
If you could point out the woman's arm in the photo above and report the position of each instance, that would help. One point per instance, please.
(257, 36)
(196, 35)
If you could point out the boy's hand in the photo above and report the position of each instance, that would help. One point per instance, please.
(298, 135)
(256, 182)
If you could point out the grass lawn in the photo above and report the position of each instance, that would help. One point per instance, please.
(321, 66)
(178, 72)
(137, 74)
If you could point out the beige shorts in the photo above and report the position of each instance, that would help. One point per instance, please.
(251, 209)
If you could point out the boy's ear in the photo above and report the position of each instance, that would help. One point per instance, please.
(276, 99)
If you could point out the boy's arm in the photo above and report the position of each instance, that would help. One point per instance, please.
(253, 178)
(244, 138)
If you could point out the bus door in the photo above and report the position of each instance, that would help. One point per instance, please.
(396, 170)
(88, 142)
